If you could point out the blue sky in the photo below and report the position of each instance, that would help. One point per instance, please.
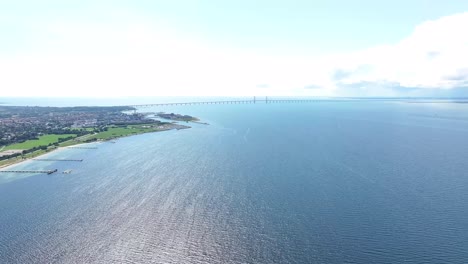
(327, 48)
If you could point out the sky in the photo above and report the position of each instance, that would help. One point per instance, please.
(104, 48)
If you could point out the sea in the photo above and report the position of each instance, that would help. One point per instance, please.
(329, 181)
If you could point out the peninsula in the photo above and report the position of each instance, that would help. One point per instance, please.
(27, 132)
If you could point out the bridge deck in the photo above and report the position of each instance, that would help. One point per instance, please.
(230, 102)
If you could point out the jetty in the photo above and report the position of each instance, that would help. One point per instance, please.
(77, 160)
(82, 147)
(29, 171)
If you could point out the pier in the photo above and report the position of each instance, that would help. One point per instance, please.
(77, 160)
(30, 171)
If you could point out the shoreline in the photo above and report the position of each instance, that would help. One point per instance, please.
(19, 161)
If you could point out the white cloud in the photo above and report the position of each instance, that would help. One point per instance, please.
(137, 56)
(428, 59)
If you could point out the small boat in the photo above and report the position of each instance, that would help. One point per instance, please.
(67, 171)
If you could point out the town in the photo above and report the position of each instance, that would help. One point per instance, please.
(27, 131)
(19, 123)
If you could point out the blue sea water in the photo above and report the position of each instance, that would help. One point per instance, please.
(323, 182)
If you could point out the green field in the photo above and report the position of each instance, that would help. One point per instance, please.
(115, 132)
(42, 141)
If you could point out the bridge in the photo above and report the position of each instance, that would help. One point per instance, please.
(250, 101)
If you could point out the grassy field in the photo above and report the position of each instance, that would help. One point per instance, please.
(42, 141)
(115, 132)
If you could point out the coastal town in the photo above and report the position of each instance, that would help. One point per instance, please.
(27, 132)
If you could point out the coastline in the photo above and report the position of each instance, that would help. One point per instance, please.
(19, 161)
(75, 143)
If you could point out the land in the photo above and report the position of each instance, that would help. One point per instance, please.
(28, 132)
(122, 131)
(177, 117)
(44, 140)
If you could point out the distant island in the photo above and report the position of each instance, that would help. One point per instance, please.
(27, 132)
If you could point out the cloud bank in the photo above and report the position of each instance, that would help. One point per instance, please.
(139, 56)
(433, 57)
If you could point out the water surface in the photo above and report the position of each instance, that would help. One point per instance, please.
(325, 182)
